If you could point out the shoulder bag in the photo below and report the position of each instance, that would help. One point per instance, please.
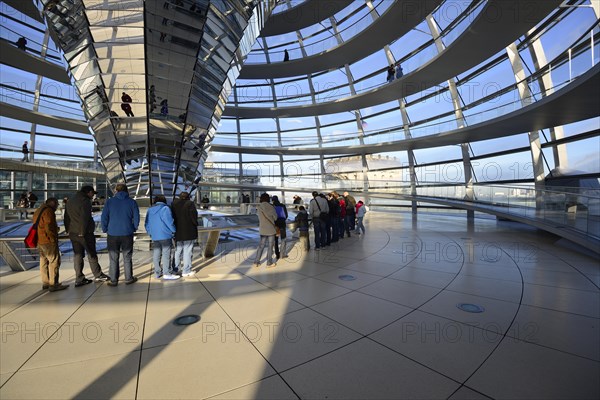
(31, 240)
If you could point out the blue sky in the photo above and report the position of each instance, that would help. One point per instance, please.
(583, 155)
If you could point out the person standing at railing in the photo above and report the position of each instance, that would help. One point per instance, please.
(120, 220)
(161, 228)
(32, 199)
(48, 245)
(266, 228)
(350, 211)
(302, 223)
(22, 43)
(185, 217)
(390, 73)
(80, 225)
(318, 209)
(334, 216)
(399, 72)
(25, 151)
(23, 205)
(282, 216)
(344, 227)
(205, 202)
(361, 209)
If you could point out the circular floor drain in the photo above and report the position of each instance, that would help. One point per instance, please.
(347, 277)
(472, 308)
(187, 320)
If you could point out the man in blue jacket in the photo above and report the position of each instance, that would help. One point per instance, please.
(161, 228)
(120, 219)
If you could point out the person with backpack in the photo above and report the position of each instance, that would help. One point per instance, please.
(361, 209)
(280, 222)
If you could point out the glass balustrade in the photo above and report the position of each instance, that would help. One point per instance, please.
(566, 68)
(311, 47)
(374, 81)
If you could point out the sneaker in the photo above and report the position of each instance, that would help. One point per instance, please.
(56, 288)
(271, 265)
(85, 281)
(256, 265)
(188, 274)
(45, 287)
(157, 276)
(132, 280)
(170, 277)
(101, 278)
(111, 283)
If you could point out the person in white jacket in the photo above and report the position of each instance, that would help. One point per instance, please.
(266, 227)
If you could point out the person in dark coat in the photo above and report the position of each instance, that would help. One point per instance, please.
(282, 216)
(302, 223)
(32, 199)
(390, 73)
(25, 151)
(22, 43)
(120, 219)
(185, 216)
(80, 225)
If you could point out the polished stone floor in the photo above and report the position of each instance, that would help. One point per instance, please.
(372, 316)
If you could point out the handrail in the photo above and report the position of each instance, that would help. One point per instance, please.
(436, 127)
(292, 50)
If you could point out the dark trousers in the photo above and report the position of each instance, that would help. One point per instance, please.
(280, 223)
(320, 228)
(348, 222)
(116, 244)
(335, 228)
(327, 223)
(304, 240)
(81, 245)
(343, 227)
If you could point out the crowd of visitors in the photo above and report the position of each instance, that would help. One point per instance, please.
(333, 216)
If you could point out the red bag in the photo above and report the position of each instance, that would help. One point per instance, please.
(31, 240)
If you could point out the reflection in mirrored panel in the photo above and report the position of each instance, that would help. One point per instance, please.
(154, 77)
